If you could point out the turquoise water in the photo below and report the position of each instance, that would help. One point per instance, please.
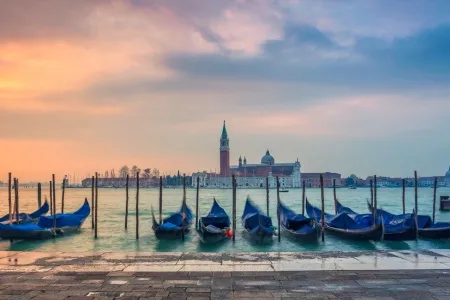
(113, 236)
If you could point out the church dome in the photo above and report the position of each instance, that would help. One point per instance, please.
(267, 159)
(447, 174)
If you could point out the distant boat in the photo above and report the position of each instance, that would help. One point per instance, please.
(352, 187)
(284, 191)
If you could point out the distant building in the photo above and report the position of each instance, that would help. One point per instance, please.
(447, 177)
(312, 180)
(249, 175)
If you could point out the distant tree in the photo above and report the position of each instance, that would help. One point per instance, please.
(134, 171)
(349, 181)
(147, 172)
(155, 173)
(113, 174)
(106, 174)
(124, 171)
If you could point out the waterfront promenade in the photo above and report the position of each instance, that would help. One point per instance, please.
(325, 275)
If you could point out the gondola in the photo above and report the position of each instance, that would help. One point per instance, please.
(344, 226)
(175, 225)
(297, 226)
(257, 225)
(394, 230)
(43, 229)
(426, 228)
(26, 218)
(215, 226)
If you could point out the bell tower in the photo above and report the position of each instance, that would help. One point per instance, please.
(224, 153)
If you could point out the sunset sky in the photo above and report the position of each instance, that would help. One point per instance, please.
(355, 86)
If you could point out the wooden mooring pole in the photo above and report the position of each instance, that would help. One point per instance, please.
(278, 209)
(434, 198)
(184, 207)
(137, 205)
(415, 203)
(322, 194)
(267, 195)
(54, 202)
(16, 194)
(127, 183)
(93, 201)
(96, 206)
(371, 195)
(9, 198)
(403, 194)
(39, 195)
(303, 196)
(334, 194)
(375, 198)
(63, 194)
(160, 198)
(51, 197)
(196, 202)
(234, 206)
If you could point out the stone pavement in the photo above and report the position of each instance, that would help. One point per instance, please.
(322, 275)
(407, 284)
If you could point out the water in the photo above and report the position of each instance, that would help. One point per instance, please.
(113, 236)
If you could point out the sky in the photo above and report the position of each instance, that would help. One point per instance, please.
(355, 86)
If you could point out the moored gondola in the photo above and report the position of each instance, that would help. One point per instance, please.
(257, 225)
(26, 218)
(297, 226)
(426, 228)
(344, 226)
(174, 226)
(44, 228)
(394, 230)
(215, 227)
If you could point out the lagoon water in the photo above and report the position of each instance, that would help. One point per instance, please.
(113, 236)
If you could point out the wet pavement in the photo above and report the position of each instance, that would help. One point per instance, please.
(325, 275)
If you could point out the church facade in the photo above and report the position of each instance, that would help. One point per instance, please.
(249, 175)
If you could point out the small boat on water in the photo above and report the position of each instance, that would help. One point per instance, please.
(257, 225)
(298, 226)
(26, 218)
(44, 228)
(345, 226)
(284, 191)
(426, 228)
(174, 226)
(352, 187)
(215, 227)
(394, 230)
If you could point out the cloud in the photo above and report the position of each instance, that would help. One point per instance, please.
(305, 54)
